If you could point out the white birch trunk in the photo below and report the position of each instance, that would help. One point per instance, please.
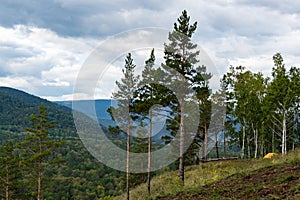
(256, 142)
(283, 142)
(243, 143)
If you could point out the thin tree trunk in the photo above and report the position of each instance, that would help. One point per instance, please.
(273, 139)
(262, 149)
(224, 136)
(217, 148)
(243, 143)
(149, 155)
(40, 172)
(128, 158)
(39, 178)
(283, 143)
(293, 146)
(255, 141)
(205, 143)
(248, 146)
(7, 192)
(7, 184)
(285, 136)
(294, 135)
(181, 145)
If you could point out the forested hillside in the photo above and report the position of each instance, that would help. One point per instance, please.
(17, 106)
(79, 175)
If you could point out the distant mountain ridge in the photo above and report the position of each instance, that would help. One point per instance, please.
(95, 109)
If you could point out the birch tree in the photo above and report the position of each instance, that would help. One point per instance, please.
(280, 96)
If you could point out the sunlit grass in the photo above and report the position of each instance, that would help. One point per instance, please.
(169, 184)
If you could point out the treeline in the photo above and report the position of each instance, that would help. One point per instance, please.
(263, 112)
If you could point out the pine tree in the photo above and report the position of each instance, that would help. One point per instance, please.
(151, 93)
(38, 146)
(181, 56)
(122, 114)
(10, 172)
(147, 84)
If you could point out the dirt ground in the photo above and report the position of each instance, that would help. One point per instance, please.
(280, 182)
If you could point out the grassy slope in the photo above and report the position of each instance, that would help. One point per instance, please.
(277, 178)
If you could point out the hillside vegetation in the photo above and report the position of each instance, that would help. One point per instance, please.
(275, 178)
(79, 176)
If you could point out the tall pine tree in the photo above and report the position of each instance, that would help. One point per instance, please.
(181, 56)
(122, 114)
(38, 146)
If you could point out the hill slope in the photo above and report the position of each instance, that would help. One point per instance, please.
(277, 178)
(80, 176)
(16, 107)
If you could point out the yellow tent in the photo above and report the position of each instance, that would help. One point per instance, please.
(270, 155)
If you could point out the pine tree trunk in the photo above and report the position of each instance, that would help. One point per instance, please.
(7, 184)
(217, 148)
(181, 145)
(205, 142)
(39, 178)
(128, 158)
(40, 172)
(149, 155)
(224, 137)
(7, 192)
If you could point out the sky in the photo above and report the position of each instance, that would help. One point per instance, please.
(45, 45)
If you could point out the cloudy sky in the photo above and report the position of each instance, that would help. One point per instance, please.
(44, 45)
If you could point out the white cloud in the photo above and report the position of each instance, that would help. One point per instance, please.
(46, 61)
(16, 82)
(51, 60)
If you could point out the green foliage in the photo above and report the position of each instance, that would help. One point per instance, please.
(79, 176)
(17, 107)
(10, 172)
(38, 146)
(189, 81)
(263, 112)
(123, 113)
